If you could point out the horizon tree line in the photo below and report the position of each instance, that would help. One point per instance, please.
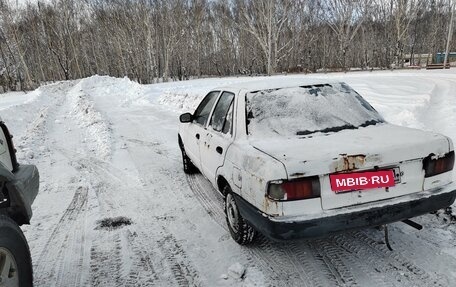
(157, 40)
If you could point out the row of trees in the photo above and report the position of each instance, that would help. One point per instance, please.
(151, 40)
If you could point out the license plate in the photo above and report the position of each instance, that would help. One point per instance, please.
(344, 182)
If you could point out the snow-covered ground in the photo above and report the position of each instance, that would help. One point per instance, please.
(115, 208)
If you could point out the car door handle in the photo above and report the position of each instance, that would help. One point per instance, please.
(197, 136)
(219, 150)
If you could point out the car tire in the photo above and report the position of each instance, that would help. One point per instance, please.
(240, 230)
(189, 167)
(15, 259)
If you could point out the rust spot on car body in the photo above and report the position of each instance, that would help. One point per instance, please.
(270, 206)
(298, 174)
(349, 162)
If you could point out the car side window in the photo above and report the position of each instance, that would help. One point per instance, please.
(229, 120)
(222, 117)
(201, 114)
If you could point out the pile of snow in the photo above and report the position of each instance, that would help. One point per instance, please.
(180, 101)
(122, 90)
(90, 120)
(185, 96)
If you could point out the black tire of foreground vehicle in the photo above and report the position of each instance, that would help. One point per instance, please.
(13, 243)
(240, 230)
(189, 167)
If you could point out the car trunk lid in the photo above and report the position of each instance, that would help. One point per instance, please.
(382, 146)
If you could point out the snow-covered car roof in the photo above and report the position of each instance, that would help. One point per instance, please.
(272, 83)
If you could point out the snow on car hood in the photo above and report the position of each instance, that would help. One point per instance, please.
(363, 148)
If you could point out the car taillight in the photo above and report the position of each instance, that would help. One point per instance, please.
(434, 166)
(294, 190)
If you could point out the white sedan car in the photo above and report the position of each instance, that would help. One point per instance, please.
(298, 159)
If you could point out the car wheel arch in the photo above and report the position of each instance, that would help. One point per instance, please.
(221, 184)
(179, 139)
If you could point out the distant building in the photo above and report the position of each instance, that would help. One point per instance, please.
(424, 59)
(440, 57)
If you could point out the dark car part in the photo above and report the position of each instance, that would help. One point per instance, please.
(189, 167)
(435, 166)
(241, 231)
(21, 191)
(19, 186)
(375, 216)
(297, 189)
(15, 260)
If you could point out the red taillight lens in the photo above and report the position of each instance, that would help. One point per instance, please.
(294, 190)
(438, 165)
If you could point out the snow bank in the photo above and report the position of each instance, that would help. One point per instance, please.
(97, 129)
(122, 91)
(181, 97)
(180, 102)
(118, 92)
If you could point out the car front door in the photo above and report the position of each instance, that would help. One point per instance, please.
(195, 129)
(218, 136)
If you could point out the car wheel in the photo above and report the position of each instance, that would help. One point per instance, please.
(15, 260)
(240, 230)
(189, 167)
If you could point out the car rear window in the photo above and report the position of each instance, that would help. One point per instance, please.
(305, 110)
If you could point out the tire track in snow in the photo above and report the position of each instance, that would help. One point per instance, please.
(355, 252)
(61, 239)
(184, 274)
(70, 272)
(331, 256)
(35, 133)
(67, 239)
(209, 198)
(398, 263)
(289, 263)
(107, 267)
(106, 261)
(302, 252)
(143, 270)
(212, 202)
(105, 179)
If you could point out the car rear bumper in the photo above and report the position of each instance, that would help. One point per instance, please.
(372, 214)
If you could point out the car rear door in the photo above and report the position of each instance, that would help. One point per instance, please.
(192, 133)
(218, 135)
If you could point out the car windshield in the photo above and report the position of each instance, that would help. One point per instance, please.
(305, 110)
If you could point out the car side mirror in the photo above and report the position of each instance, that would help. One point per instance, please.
(186, 118)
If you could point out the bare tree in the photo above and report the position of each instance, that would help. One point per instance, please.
(151, 40)
(404, 12)
(266, 20)
(345, 18)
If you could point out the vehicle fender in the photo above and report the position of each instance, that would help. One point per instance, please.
(5, 174)
(251, 170)
(22, 191)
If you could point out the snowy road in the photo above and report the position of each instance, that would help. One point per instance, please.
(115, 208)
